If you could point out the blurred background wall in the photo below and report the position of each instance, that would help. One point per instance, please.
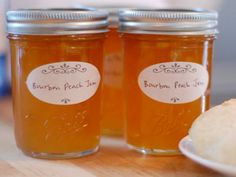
(4, 64)
(212, 4)
(224, 71)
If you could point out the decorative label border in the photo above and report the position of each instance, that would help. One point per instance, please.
(175, 68)
(64, 69)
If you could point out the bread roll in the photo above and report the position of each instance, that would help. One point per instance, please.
(214, 133)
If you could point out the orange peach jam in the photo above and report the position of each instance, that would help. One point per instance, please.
(167, 73)
(112, 95)
(56, 81)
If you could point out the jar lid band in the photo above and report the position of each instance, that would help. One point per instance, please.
(113, 18)
(56, 21)
(168, 21)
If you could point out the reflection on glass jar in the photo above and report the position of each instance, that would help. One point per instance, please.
(56, 68)
(167, 74)
(112, 95)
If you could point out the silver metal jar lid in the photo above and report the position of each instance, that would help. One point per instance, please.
(168, 21)
(56, 21)
(113, 18)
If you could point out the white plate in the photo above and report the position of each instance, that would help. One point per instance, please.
(186, 147)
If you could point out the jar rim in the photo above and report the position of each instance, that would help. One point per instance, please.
(113, 17)
(168, 21)
(57, 21)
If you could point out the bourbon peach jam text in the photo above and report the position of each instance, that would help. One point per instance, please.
(66, 87)
(176, 84)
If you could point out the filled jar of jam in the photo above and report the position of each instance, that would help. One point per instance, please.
(57, 59)
(167, 74)
(112, 93)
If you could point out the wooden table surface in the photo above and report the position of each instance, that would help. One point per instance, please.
(114, 159)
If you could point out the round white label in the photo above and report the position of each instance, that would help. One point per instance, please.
(64, 83)
(174, 82)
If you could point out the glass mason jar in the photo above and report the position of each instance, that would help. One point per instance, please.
(167, 74)
(56, 65)
(112, 94)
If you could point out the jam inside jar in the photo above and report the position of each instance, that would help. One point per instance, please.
(112, 93)
(167, 75)
(56, 83)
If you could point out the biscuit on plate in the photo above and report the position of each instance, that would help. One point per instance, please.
(214, 133)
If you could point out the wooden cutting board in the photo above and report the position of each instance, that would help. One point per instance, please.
(113, 160)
